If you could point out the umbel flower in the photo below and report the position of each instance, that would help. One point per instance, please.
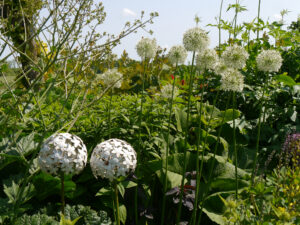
(113, 158)
(235, 56)
(269, 61)
(166, 91)
(62, 152)
(146, 48)
(207, 59)
(195, 39)
(232, 80)
(112, 77)
(220, 67)
(177, 54)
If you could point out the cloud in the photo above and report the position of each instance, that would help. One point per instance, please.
(128, 12)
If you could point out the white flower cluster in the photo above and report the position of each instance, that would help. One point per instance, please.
(232, 80)
(235, 56)
(269, 61)
(177, 54)
(195, 39)
(166, 91)
(207, 59)
(113, 158)
(62, 152)
(146, 48)
(112, 77)
(220, 67)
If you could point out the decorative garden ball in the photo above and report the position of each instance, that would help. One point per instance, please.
(113, 158)
(64, 153)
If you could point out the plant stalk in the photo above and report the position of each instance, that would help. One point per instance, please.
(185, 140)
(117, 202)
(62, 179)
(167, 151)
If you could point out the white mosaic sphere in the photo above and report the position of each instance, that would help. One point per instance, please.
(112, 159)
(63, 152)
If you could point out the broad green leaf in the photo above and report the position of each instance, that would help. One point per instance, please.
(47, 185)
(129, 184)
(123, 213)
(121, 189)
(181, 118)
(16, 194)
(104, 191)
(285, 79)
(173, 179)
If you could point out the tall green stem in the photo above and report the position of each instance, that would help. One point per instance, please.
(117, 202)
(185, 140)
(258, 133)
(140, 140)
(234, 144)
(198, 174)
(62, 193)
(167, 152)
(258, 15)
(213, 162)
(109, 111)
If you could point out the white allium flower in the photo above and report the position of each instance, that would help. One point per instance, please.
(177, 54)
(269, 61)
(195, 39)
(166, 91)
(220, 67)
(112, 76)
(146, 48)
(62, 152)
(232, 80)
(113, 158)
(207, 59)
(235, 56)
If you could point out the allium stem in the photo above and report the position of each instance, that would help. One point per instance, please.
(199, 170)
(117, 202)
(258, 135)
(167, 152)
(140, 140)
(185, 139)
(198, 174)
(213, 162)
(109, 112)
(234, 144)
(62, 179)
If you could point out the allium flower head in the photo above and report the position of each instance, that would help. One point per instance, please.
(235, 56)
(177, 54)
(291, 148)
(207, 59)
(269, 61)
(112, 76)
(232, 80)
(220, 67)
(113, 158)
(195, 39)
(146, 48)
(166, 91)
(62, 152)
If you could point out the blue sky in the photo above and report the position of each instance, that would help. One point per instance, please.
(176, 16)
